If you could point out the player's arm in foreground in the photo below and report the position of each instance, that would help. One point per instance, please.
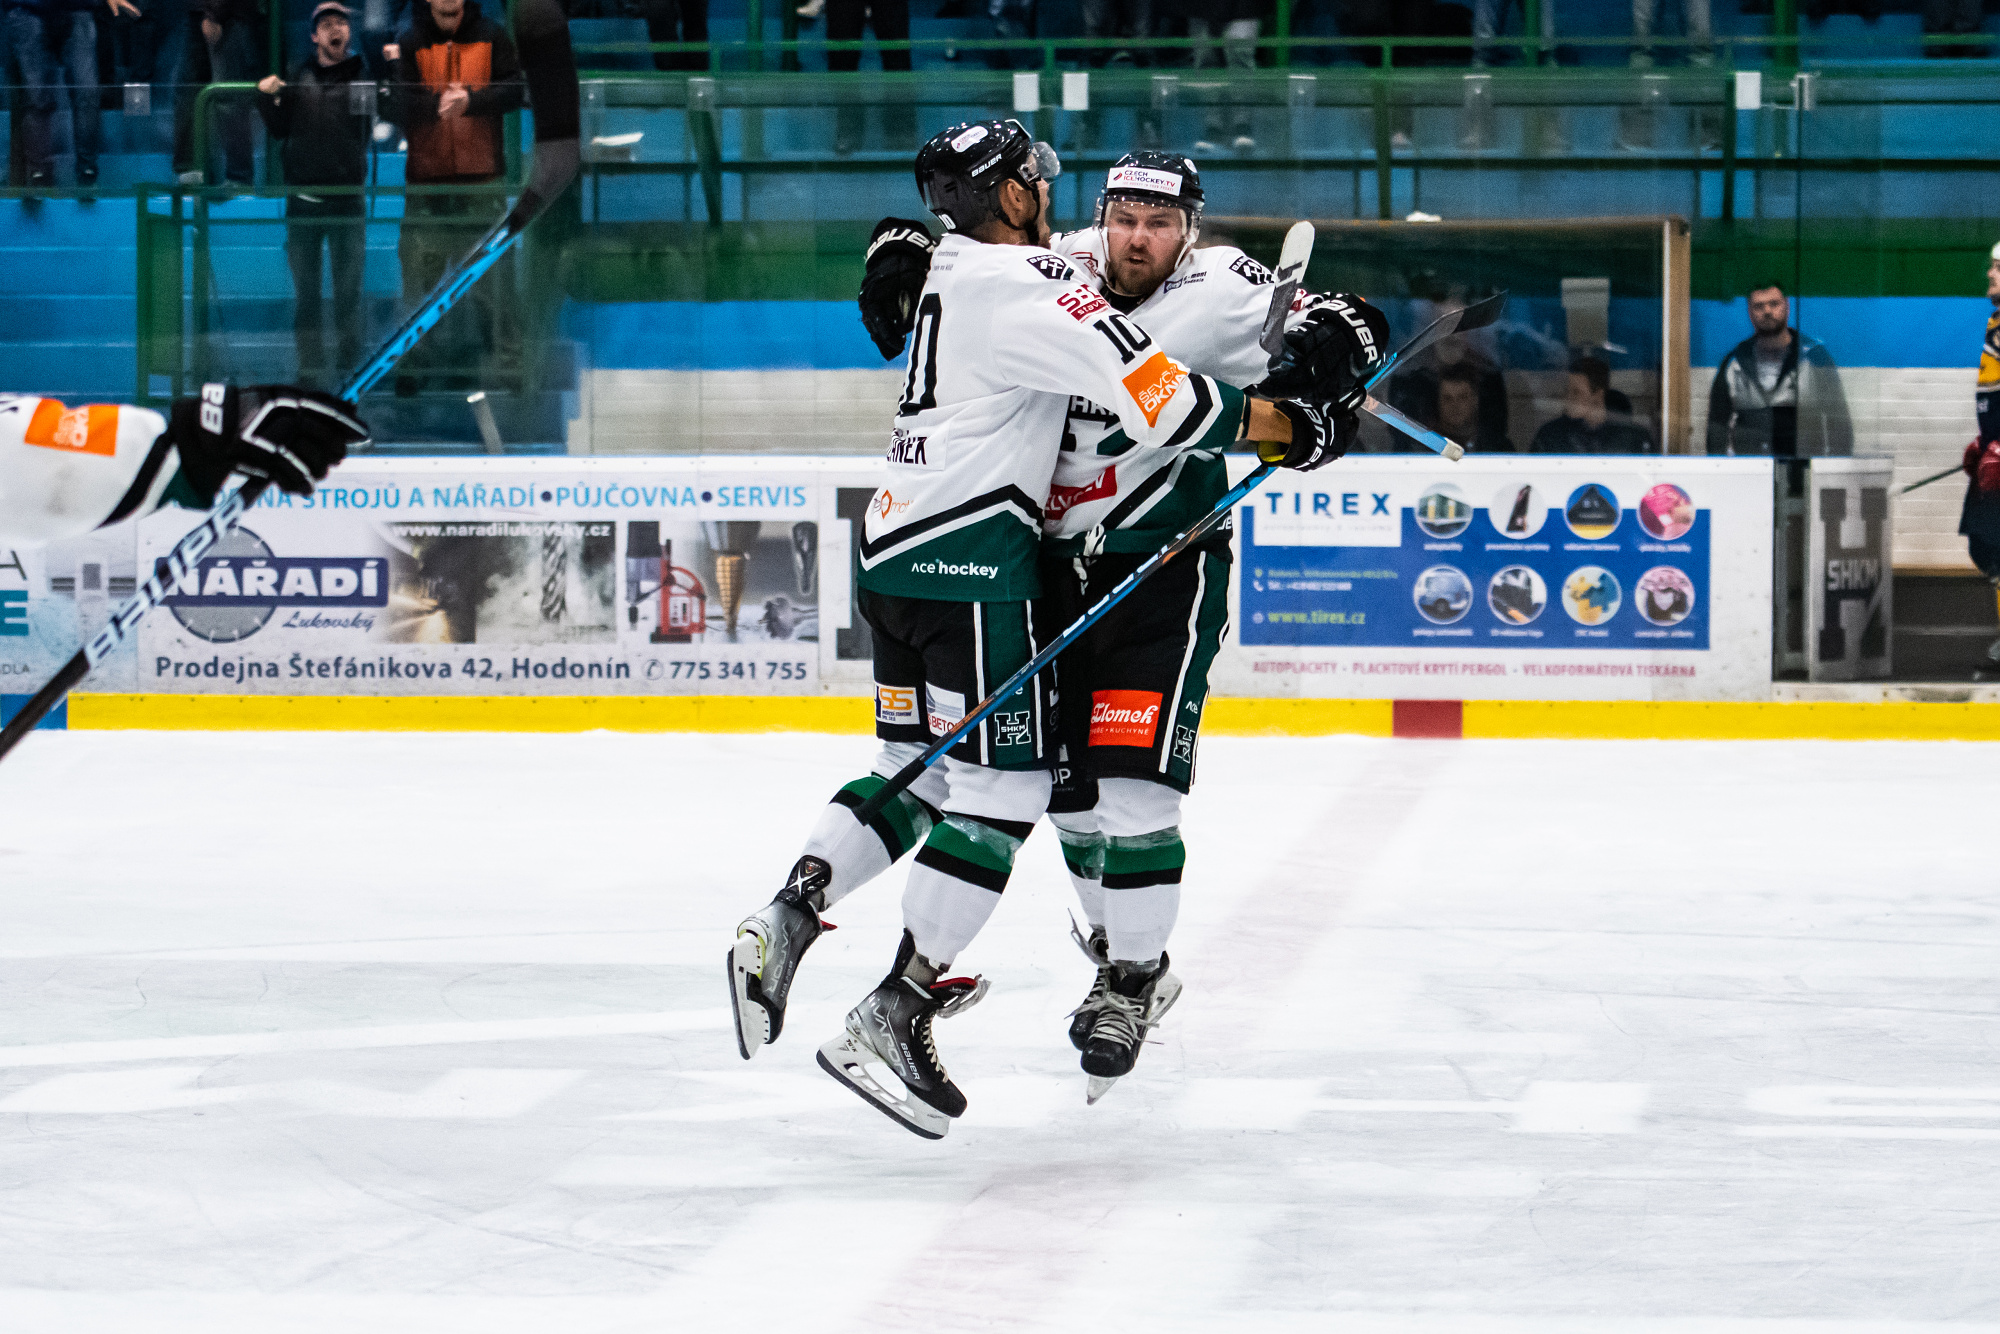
(65, 471)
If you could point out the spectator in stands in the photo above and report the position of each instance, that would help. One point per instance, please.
(223, 40)
(687, 21)
(1237, 23)
(326, 143)
(891, 21)
(1420, 389)
(127, 49)
(1953, 18)
(1109, 20)
(1700, 31)
(1490, 16)
(1463, 417)
(54, 40)
(1012, 19)
(1777, 392)
(1587, 425)
(456, 74)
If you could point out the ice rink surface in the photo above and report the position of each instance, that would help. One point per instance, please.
(311, 1033)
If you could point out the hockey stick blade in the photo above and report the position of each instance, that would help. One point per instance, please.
(1480, 314)
(555, 165)
(1292, 260)
(1423, 435)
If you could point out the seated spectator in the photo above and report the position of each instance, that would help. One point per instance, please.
(1460, 411)
(54, 41)
(1587, 425)
(1777, 392)
(1419, 391)
(326, 143)
(223, 41)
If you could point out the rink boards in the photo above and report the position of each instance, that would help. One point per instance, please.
(1516, 596)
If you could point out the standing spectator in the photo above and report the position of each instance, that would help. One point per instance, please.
(1237, 23)
(127, 48)
(1777, 392)
(456, 74)
(1113, 19)
(52, 40)
(1011, 19)
(326, 143)
(221, 47)
(1490, 16)
(1979, 521)
(891, 21)
(1587, 425)
(1953, 18)
(687, 21)
(1701, 33)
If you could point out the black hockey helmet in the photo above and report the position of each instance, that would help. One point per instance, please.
(1153, 177)
(959, 171)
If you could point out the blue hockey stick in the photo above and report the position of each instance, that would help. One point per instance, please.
(1471, 317)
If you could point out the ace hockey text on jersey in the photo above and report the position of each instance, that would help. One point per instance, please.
(1004, 337)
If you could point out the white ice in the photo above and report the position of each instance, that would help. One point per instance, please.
(309, 1033)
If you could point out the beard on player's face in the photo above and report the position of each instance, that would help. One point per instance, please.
(1142, 244)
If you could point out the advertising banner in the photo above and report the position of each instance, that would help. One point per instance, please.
(1380, 577)
(1505, 577)
(528, 576)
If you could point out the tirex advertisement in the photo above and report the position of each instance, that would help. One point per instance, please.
(1506, 577)
(505, 577)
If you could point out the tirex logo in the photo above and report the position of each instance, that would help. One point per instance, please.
(1124, 717)
(1154, 383)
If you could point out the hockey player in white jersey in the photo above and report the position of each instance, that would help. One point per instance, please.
(65, 471)
(1006, 332)
(1134, 689)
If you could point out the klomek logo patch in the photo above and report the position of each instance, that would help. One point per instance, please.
(87, 430)
(1124, 717)
(1153, 384)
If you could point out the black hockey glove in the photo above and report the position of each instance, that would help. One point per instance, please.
(899, 260)
(282, 432)
(1321, 433)
(1330, 355)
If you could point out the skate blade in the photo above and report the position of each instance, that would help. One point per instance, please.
(753, 1021)
(847, 1062)
(1099, 1086)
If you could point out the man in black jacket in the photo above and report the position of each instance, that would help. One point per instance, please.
(325, 130)
(1778, 392)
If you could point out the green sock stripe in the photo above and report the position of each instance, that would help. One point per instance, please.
(1083, 854)
(975, 843)
(902, 823)
(1144, 854)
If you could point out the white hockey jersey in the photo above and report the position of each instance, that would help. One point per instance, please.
(1004, 336)
(1207, 314)
(63, 471)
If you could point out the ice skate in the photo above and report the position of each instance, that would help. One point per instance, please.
(1098, 951)
(769, 944)
(891, 1027)
(1133, 1004)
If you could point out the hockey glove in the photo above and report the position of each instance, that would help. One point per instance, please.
(1982, 464)
(287, 434)
(1321, 433)
(1328, 357)
(899, 261)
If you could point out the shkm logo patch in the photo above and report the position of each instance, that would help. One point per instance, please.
(1124, 717)
(1153, 384)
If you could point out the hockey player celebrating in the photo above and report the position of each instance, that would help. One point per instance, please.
(65, 471)
(1135, 687)
(1006, 333)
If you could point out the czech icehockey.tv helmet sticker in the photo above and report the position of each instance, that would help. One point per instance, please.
(1144, 179)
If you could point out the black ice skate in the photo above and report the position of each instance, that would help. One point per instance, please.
(1098, 951)
(769, 944)
(1133, 1004)
(892, 1027)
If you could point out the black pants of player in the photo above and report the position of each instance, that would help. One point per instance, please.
(934, 662)
(891, 21)
(1134, 687)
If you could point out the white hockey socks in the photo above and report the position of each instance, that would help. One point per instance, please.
(1083, 854)
(856, 853)
(964, 863)
(1143, 859)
